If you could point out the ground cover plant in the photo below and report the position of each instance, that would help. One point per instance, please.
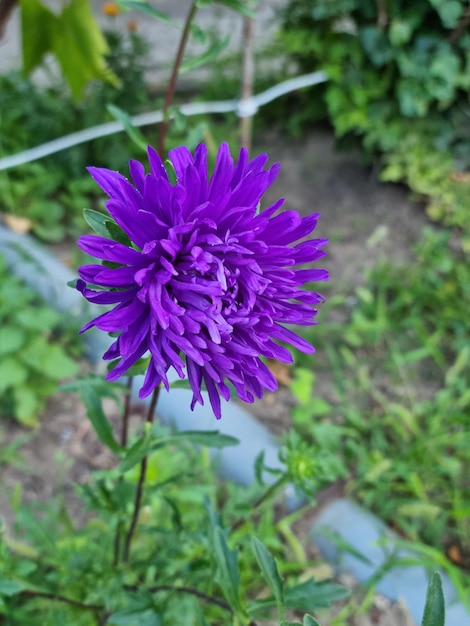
(52, 193)
(398, 86)
(189, 262)
(33, 350)
(400, 424)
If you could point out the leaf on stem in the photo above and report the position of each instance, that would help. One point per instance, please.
(98, 419)
(270, 572)
(206, 57)
(227, 568)
(147, 9)
(434, 609)
(307, 596)
(136, 452)
(209, 438)
(132, 131)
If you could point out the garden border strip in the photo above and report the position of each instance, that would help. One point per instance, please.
(46, 275)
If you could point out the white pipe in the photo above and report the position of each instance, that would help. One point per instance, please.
(243, 108)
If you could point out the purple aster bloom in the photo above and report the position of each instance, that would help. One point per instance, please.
(207, 282)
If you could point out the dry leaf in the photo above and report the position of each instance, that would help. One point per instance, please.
(455, 554)
(280, 371)
(20, 225)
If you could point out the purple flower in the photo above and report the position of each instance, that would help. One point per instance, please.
(207, 282)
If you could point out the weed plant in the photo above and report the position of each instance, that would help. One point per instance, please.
(52, 192)
(33, 351)
(402, 376)
(398, 87)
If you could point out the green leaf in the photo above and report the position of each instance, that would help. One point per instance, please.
(56, 364)
(117, 234)
(139, 611)
(181, 384)
(27, 405)
(35, 41)
(97, 221)
(98, 419)
(12, 373)
(132, 131)
(11, 339)
(209, 438)
(302, 384)
(170, 172)
(207, 57)
(270, 572)
(426, 510)
(307, 596)
(310, 621)
(434, 608)
(240, 6)
(147, 9)
(80, 47)
(259, 467)
(227, 567)
(10, 588)
(38, 318)
(139, 368)
(136, 452)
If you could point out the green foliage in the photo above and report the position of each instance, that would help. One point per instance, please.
(32, 351)
(400, 421)
(398, 84)
(73, 37)
(434, 609)
(187, 558)
(52, 192)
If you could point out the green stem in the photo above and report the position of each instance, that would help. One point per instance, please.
(266, 496)
(140, 484)
(64, 599)
(174, 77)
(124, 438)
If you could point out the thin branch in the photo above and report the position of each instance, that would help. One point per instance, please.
(140, 484)
(123, 441)
(461, 27)
(246, 122)
(266, 495)
(6, 8)
(58, 598)
(194, 592)
(127, 410)
(174, 77)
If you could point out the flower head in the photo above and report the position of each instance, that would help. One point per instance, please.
(204, 282)
(110, 8)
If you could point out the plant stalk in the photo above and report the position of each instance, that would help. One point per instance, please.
(266, 496)
(140, 484)
(52, 596)
(174, 77)
(123, 442)
(248, 70)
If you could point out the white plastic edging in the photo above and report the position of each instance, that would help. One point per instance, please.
(243, 108)
(48, 277)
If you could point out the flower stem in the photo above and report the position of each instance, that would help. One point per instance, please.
(174, 77)
(140, 484)
(124, 437)
(57, 598)
(266, 496)
(127, 407)
(246, 123)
